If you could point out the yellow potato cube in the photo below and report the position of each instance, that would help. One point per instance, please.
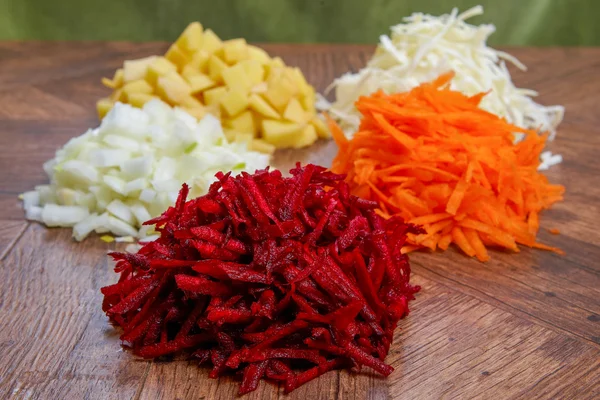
(139, 86)
(259, 105)
(235, 50)
(261, 146)
(296, 75)
(277, 62)
(177, 56)
(308, 137)
(196, 112)
(295, 113)
(191, 38)
(280, 134)
(214, 109)
(172, 88)
(174, 76)
(118, 95)
(200, 82)
(258, 54)
(308, 100)
(159, 67)
(215, 68)
(119, 78)
(321, 127)
(136, 69)
(139, 99)
(254, 71)
(243, 123)
(199, 61)
(211, 42)
(234, 102)
(229, 134)
(116, 82)
(236, 78)
(190, 102)
(189, 71)
(108, 83)
(219, 53)
(260, 88)
(241, 137)
(279, 93)
(273, 73)
(103, 106)
(214, 96)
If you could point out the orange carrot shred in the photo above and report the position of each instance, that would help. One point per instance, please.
(409, 249)
(461, 241)
(457, 197)
(445, 241)
(549, 248)
(554, 231)
(475, 242)
(434, 158)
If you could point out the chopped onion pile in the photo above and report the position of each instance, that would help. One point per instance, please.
(424, 47)
(115, 177)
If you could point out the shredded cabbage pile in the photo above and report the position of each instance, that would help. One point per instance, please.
(424, 47)
(113, 178)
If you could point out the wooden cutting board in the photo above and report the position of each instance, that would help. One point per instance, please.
(523, 325)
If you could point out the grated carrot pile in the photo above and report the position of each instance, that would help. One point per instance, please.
(433, 157)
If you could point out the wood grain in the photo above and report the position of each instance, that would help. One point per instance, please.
(10, 232)
(521, 326)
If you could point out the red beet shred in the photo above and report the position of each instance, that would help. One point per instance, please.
(281, 278)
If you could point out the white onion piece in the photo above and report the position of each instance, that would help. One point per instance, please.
(102, 224)
(147, 195)
(31, 199)
(120, 228)
(80, 170)
(55, 215)
(85, 227)
(135, 185)
(150, 238)
(137, 167)
(140, 212)
(115, 183)
(121, 211)
(34, 213)
(108, 157)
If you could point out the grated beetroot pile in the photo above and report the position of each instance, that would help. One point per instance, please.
(282, 278)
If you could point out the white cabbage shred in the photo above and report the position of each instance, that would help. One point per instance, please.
(113, 178)
(424, 47)
(547, 160)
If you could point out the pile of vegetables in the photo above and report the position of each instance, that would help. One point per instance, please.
(113, 178)
(424, 47)
(435, 158)
(281, 278)
(257, 98)
(286, 278)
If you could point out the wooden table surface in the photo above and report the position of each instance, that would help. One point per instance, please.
(523, 325)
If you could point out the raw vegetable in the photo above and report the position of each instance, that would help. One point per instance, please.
(258, 98)
(424, 47)
(115, 177)
(434, 158)
(547, 160)
(272, 277)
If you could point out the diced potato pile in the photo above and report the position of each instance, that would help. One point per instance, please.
(258, 98)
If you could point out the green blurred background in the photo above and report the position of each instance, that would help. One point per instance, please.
(518, 22)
